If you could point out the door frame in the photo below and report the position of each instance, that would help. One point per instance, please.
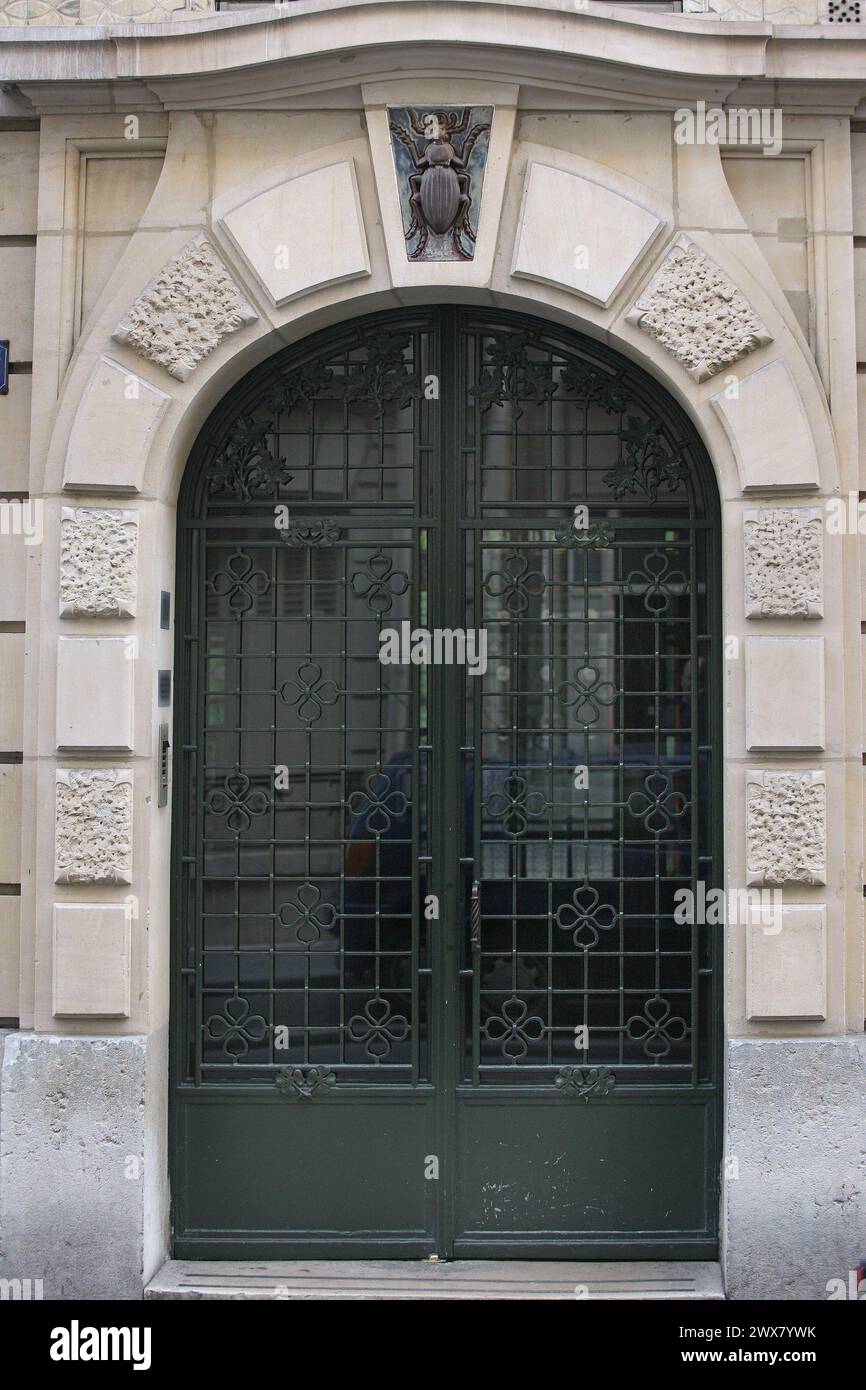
(226, 409)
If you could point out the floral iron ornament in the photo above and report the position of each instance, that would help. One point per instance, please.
(598, 536)
(510, 375)
(237, 802)
(302, 1083)
(514, 804)
(439, 178)
(236, 1027)
(514, 1029)
(657, 1029)
(585, 1082)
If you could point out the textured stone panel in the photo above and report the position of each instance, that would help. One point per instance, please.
(578, 235)
(185, 312)
(112, 432)
(95, 685)
(90, 964)
(795, 1214)
(769, 431)
(303, 234)
(697, 313)
(786, 827)
(57, 13)
(93, 838)
(786, 964)
(784, 562)
(98, 562)
(785, 694)
(73, 1139)
(139, 11)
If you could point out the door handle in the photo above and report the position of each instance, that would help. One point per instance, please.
(475, 917)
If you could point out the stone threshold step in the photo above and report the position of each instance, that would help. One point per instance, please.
(364, 1279)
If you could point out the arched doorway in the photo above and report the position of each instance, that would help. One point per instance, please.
(430, 992)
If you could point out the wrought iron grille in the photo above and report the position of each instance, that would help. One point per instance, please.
(305, 777)
(427, 468)
(593, 726)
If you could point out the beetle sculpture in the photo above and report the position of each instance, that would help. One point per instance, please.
(440, 196)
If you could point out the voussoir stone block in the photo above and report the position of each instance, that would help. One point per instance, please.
(93, 835)
(98, 562)
(765, 420)
(185, 312)
(784, 562)
(303, 234)
(579, 235)
(697, 313)
(786, 827)
(90, 965)
(112, 432)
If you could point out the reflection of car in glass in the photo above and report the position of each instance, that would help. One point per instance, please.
(516, 811)
(545, 883)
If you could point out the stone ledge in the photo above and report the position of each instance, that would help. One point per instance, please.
(652, 1280)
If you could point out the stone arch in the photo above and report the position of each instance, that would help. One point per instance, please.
(97, 461)
(175, 411)
(131, 405)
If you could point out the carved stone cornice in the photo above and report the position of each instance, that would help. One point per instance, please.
(293, 53)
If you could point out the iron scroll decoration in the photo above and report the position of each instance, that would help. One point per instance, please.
(247, 466)
(253, 464)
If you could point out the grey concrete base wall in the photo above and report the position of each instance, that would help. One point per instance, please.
(72, 1147)
(76, 1127)
(157, 1233)
(795, 1215)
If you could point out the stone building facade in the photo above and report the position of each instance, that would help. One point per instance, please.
(186, 195)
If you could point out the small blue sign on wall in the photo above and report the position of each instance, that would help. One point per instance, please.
(4, 366)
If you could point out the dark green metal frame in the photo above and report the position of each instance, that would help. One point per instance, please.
(454, 1112)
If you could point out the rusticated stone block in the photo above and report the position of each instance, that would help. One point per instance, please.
(98, 562)
(786, 827)
(185, 312)
(93, 836)
(784, 562)
(697, 313)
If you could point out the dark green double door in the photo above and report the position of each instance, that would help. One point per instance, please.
(445, 753)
